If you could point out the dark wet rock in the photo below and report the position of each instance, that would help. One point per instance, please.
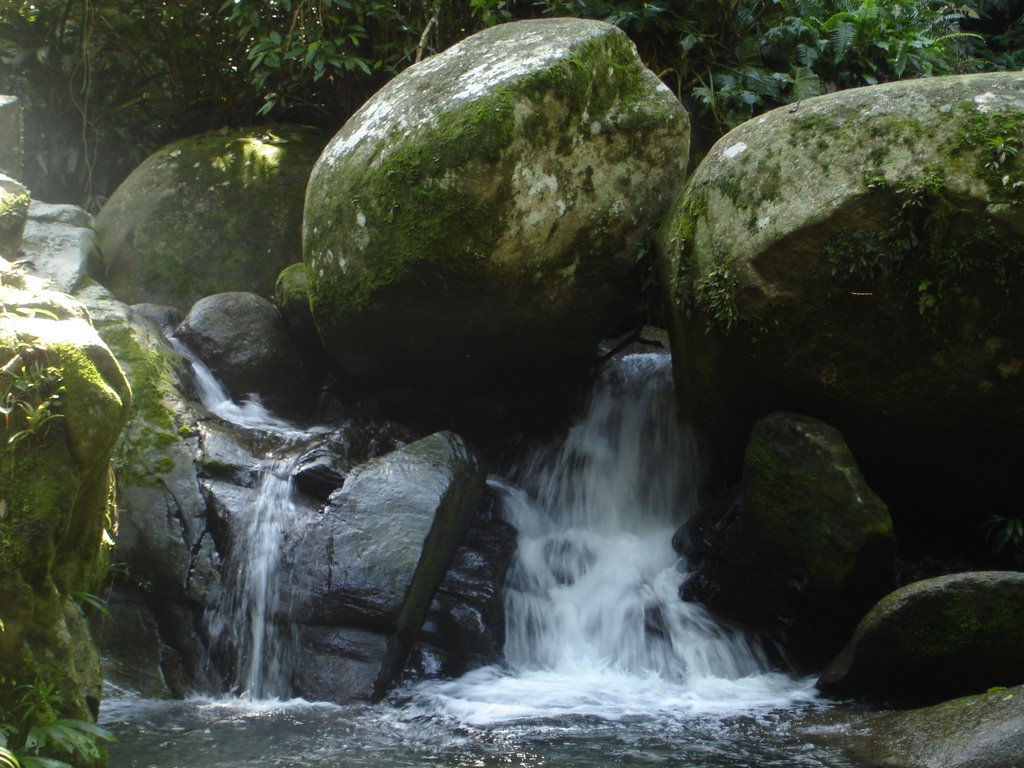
(465, 625)
(130, 645)
(375, 554)
(323, 469)
(801, 549)
(342, 664)
(387, 537)
(241, 338)
(935, 639)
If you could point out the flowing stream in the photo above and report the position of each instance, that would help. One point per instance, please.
(604, 664)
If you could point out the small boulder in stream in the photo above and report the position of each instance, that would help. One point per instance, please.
(242, 339)
(801, 549)
(487, 207)
(936, 639)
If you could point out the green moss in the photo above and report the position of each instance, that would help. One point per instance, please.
(152, 427)
(208, 214)
(163, 465)
(13, 212)
(930, 245)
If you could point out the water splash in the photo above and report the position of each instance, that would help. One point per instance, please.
(250, 413)
(594, 623)
(249, 625)
(251, 621)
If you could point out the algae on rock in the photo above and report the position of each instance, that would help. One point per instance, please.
(861, 258)
(486, 208)
(56, 491)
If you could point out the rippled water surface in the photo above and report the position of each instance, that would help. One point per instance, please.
(493, 720)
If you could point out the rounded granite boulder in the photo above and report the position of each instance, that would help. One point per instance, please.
(208, 214)
(859, 257)
(934, 640)
(487, 208)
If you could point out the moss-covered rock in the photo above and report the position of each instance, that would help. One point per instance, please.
(208, 214)
(936, 639)
(14, 202)
(65, 401)
(860, 257)
(983, 731)
(291, 295)
(801, 549)
(488, 206)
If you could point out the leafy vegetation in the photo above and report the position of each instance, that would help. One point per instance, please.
(105, 82)
(30, 391)
(1007, 536)
(37, 737)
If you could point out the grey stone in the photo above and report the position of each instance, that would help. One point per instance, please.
(936, 639)
(802, 549)
(241, 338)
(486, 208)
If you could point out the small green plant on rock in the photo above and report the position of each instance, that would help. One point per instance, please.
(30, 392)
(715, 295)
(37, 737)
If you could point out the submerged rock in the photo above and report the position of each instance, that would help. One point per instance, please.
(801, 549)
(878, 227)
(486, 208)
(936, 639)
(208, 214)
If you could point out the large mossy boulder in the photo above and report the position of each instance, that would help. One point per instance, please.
(934, 640)
(801, 549)
(487, 208)
(983, 731)
(65, 401)
(860, 257)
(208, 214)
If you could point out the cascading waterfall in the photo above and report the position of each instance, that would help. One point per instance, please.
(604, 662)
(247, 624)
(594, 622)
(596, 581)
(249, 619)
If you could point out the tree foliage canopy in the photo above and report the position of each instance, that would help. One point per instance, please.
(104, 82)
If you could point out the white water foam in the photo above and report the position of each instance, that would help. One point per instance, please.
(250, 413)
(595, 626)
